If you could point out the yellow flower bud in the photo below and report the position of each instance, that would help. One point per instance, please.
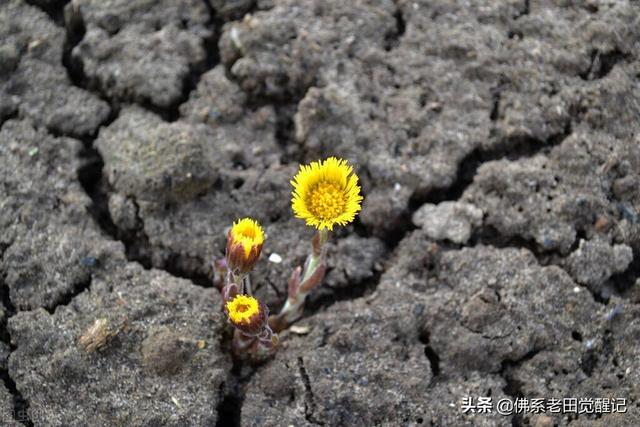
(244, 243)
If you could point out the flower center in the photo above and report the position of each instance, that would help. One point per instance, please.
(241, 308)
(248, 233)
(326, 200)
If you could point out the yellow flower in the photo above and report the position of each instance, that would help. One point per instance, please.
(242, 307)
(247, 314)
(244, 243)
(248, 233)
(326, 193)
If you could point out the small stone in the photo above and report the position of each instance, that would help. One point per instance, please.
(176, 402)
(300, 330)
(275, 258)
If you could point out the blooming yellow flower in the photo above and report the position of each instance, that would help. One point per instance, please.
(247, 314)
(244, 244)
(326, 193)
(242, 308)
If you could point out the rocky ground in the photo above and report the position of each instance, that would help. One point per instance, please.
(497, 253)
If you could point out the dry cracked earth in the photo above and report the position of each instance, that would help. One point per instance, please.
(497, 253)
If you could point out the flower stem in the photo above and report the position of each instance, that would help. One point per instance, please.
(302, 281)
(317, 254)
(246, 285)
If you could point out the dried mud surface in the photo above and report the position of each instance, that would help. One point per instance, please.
(497, 253)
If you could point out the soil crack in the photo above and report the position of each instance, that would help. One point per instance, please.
(392, 39)
(20, 404)
(65, 299)
(54, 9)
(346, 293)
(309, 400)
(431, 355)
(526, 9)
(602, 63)
(76, 29)
(513, 387)
(233, 392)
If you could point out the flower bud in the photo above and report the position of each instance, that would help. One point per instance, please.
(247, 314)
(244, 243)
